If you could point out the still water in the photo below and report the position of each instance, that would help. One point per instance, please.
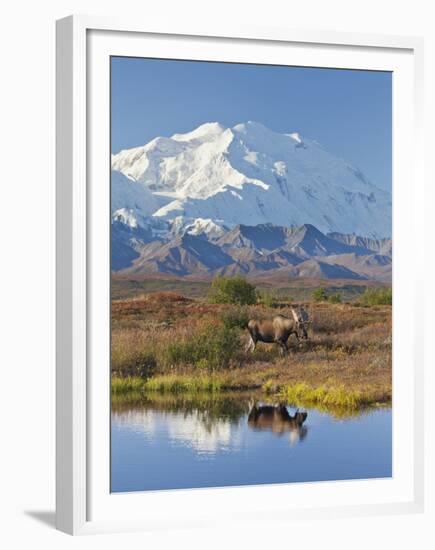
(163, 442)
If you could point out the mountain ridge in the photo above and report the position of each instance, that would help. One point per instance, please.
(301, 251)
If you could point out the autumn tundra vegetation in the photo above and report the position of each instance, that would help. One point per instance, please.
(168, 342)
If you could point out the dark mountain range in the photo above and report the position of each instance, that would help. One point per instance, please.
(382, 246)
(301, 251)
(181, 256)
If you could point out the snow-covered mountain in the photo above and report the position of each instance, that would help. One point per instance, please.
(215, 178)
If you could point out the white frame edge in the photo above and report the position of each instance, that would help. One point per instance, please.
(70, 275)
(71, 245)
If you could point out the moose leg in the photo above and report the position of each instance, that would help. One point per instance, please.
(251, 344)
(248, 347)
(284, 348)
(296, 333)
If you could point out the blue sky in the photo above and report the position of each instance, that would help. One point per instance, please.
(348, 112)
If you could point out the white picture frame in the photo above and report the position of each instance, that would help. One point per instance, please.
(82, 502)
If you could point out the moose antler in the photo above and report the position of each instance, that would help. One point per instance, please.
(295, 315)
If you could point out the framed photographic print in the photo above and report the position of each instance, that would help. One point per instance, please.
(237, 305)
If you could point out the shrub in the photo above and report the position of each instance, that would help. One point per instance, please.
(211, 347)
(237, 317)
(130, 359)
(232, 290)
(319, 295)
(334, 299)
(377, 297)
(269, 299)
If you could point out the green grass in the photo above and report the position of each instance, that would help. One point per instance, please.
(218, 393)
(299, 393)
(130, 384)
(177, 384)
(171, 383)
(326, 397)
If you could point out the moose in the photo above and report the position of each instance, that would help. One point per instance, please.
(278, 329)
(277, 419)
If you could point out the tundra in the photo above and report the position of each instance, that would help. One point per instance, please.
(278, 330)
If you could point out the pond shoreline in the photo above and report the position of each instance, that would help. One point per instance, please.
(330, 394)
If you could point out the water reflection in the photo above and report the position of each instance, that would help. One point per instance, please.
(276, 418)
(207, 423)
(180, 441)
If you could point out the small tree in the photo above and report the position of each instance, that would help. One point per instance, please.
(232, 290)
(377, 296)
(334, 298)
(319, 295)
(269, 298)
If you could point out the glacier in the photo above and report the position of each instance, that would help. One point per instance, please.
(219, 177)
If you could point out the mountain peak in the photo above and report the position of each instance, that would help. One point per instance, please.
(208, 130)
(310, 228)
(251, 126)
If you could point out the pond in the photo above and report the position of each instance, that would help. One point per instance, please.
(178, 442)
